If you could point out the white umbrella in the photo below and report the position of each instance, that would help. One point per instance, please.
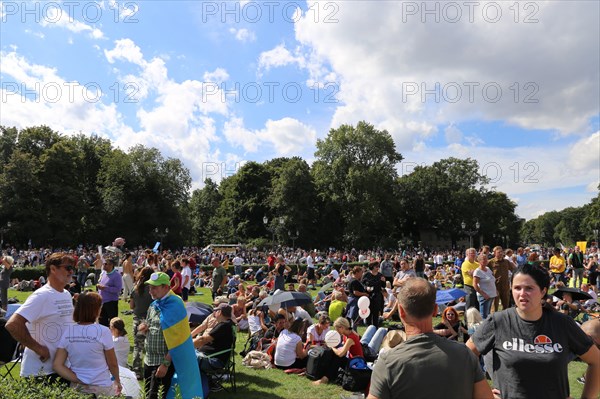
(131, 386)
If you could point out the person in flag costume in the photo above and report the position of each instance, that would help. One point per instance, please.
(169, 346)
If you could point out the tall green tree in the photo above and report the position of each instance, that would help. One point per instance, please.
(354, 173)
(443, 195)
(21, 197)
(293, 198)
(142, 191)
(244, 203)
(203, 209)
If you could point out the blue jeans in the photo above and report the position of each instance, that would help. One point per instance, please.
(208, 364)
(373, 337)
(485, 305)
(81, 278)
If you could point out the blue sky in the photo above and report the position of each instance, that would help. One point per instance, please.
(217, 84)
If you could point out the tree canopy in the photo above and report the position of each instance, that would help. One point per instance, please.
(66, 190)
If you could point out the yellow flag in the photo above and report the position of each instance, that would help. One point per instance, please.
(582, 245)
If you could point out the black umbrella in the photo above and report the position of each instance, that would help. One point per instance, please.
(286, 299)
(198, 311)
(576, 294)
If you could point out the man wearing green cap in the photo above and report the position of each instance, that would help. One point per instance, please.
(169, 344)
(158, 370)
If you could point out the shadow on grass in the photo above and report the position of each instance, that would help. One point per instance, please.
(247, 388)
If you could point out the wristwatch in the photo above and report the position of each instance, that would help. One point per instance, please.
(166, 363)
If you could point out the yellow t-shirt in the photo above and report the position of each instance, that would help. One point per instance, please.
(557, 264)
(336, 308)
(466, 267)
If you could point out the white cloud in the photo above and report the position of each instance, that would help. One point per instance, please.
(278, 57)
(37, 95)
(243, 35)
(58, 17)
(125, 50)
(238, 136)
(126, 10)
(453, 134)
(386, 62)
(219, 75)
(289, 136)
(39, 35)
(585, 154)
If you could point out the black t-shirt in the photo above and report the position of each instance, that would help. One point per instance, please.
(577, 260)
(355, 285)
(222, 339)
(272, 333)
(456, 327)
(531, 358)
(280, 269)
(373, 280)
(419, 265)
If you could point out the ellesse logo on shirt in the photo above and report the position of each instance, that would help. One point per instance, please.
(541, 344)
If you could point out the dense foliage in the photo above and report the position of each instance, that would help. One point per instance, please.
(60, 190)
(565, 227)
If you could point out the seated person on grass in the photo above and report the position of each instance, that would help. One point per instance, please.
(239, 314)
(272, 332)
(337, 306)
(350, 347)
(290, 352)
(315, 335)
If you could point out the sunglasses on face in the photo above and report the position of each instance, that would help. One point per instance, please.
(69, 268)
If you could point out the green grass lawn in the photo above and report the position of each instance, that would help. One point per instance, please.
(274, 383)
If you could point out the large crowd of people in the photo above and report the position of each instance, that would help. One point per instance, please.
(515, 329)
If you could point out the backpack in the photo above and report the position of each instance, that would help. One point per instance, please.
(319, 358)
(356, 376)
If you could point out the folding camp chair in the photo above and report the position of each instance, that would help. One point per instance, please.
(6, 369)
(225, 374)
(11, 352)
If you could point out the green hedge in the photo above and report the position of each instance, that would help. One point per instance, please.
(28, 273)
(293, 266)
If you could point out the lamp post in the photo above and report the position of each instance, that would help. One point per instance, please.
(470, 233)
(507, 240)
(595, 231)
(294, 238)
(161, 235)
(4, 230)
(281, 226)
(271, 229)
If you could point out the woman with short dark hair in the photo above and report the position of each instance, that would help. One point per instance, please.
(89, 348)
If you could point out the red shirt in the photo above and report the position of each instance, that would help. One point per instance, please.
(356, 349)
(177, 276)
(271, 261)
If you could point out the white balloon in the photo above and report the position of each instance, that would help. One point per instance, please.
(364, 313)
(332, 338)
(364, 302)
